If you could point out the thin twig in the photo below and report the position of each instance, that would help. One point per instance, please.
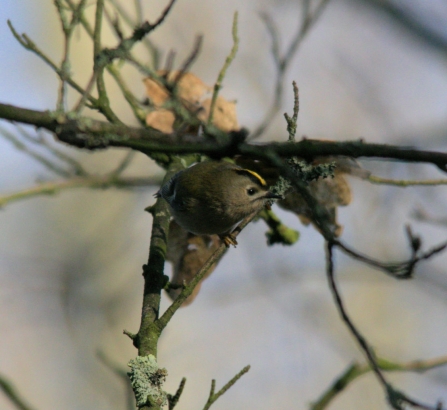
(107, 55)
(214, 396)
(190, 59)
(283, 62)
(78, 169)
(228, 61)
(398, 270)
(141, 67)
(11, 393)
(153, 50)
(169, 63)
(188, 289)
(99, 66)
(78, 107)
(421, 215)
(173, 400)
(64, 64)
(340, 306)
(91, 181)
(114, 23)
(135, 105)
(308, 22)
(292, 122)
(122, 374)
(410, 21)
(405, 183)
(396, 398)
(33, 154)
(42, 142)
(124, 163)
(278, 233)
(67, 28)
(139, 11)
(28, 44)
(356, 370)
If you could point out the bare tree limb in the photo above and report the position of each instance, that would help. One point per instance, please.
(398, 270)
(397, 399)
(89, 133)
(107, 55)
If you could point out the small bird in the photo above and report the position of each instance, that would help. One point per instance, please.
(214, 197)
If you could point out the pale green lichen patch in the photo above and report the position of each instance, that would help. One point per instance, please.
(147, 379)
(309, 172)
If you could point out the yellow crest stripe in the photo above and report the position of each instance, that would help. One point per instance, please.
(258, 177)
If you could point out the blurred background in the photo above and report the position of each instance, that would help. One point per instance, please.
(70, 264)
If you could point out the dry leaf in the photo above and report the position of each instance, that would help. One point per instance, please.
(224, 116)
(188, 253)
(194, 95)
(329, 192)
(161, 119)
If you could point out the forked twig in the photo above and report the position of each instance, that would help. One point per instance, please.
(396, 398)
(190, 59)
(10, 391)
(283, 62)
(214, 396)
(173, 400)
(292, 122)
(398, 270)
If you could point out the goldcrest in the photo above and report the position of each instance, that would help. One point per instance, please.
(214, 197)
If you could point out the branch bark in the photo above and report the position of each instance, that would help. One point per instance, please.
(93, 134)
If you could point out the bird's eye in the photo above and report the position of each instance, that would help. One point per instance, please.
(251, 191)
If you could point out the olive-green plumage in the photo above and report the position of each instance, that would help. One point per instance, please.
(213, 197)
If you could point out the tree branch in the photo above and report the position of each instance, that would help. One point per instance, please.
(63, 74)
(398, 270)
(88, 133)
(107, 55)
(397, 399)
(103, 103)
(146, 339)
(188, 289)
